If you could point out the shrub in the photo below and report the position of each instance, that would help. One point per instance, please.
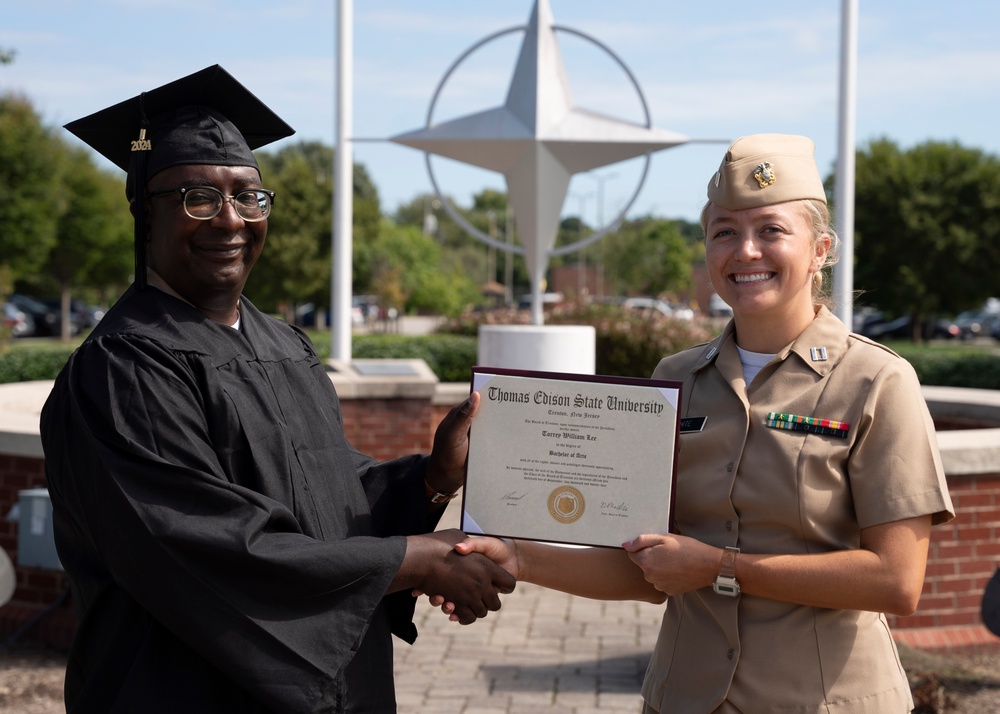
(627, 344)
(450, 357)
(975, 370)
(27, 364)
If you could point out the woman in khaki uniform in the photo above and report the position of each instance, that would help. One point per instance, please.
(804, 505)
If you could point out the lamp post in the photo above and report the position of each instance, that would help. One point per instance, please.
(508, 259)
(430, 226)
(843, 271)
(343, 191)
(601, 178)
(491, 251)
(581, 263)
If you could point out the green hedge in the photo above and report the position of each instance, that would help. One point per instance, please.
(450, 357)
(953, 367)
(26, 364)
(627, 345)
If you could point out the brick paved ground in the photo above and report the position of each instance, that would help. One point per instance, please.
(542, 652)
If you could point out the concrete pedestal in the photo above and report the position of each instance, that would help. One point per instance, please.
(546, 348)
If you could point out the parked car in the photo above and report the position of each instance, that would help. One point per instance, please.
(649, 304)
(548, 300)
(875, 326)
(364, 310)
(80, 314)
(974, 323)
(864, 318)
(17, 321)
(86, 315)
(980, 322)
(717, 307)
(46, 319)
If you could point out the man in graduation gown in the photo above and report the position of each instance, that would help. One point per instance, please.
(229, 551)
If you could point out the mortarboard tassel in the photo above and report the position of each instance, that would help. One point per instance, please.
(141, 149)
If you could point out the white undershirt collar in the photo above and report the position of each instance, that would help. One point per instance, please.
(752, 362)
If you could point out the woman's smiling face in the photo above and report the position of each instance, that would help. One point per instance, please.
(762, 260)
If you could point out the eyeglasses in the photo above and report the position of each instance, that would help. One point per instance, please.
(204, 203)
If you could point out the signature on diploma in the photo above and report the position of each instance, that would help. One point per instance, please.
(513, 496)
(621, 506)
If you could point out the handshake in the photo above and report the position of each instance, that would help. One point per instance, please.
(482, 568)
(467, 579)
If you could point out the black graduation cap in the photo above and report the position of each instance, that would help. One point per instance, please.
(205, 118)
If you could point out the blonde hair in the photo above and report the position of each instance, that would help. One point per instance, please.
(819, 220)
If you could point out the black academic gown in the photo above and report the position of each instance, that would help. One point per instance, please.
(229, 551)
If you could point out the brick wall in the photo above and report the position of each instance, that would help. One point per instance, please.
(389, 428)
(40, 598)
(963, 554)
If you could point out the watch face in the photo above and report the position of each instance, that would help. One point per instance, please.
(726, 586)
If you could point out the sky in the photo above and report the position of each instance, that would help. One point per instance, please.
(713, 71)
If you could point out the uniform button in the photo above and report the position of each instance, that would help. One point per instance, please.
(729, 525)
(729, 467)
(730, 654)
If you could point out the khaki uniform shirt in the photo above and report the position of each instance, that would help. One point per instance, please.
(766, 490)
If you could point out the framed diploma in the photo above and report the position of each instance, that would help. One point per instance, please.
(569, 458)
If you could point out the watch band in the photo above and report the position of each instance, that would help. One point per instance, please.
(725, 582)
(436, 496)
(727, 568)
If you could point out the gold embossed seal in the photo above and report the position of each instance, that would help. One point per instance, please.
(566, 504)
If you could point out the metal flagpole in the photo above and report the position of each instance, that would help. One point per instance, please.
(843, 271)
(343, 190)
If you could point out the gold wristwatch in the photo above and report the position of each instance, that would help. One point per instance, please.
(436, 496)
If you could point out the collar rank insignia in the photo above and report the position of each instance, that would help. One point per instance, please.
(764, 173)
(818, 354)
(813, 425)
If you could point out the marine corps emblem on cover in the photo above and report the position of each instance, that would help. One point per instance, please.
(764, 174)
(566, 504)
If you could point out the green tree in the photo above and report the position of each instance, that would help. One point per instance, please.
(927, 228)
(426, 212)
(110, 271)
(29, 179)
(489, 214)
(94, 233)
(410, 264)
(295, 266)
(649, 256)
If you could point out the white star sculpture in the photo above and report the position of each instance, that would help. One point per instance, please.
(538, 139)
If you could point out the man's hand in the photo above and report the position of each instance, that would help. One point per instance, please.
(502, 552)
(446, 467)
(470, 583)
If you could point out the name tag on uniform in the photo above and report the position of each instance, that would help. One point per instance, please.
(813, 425)
(690, 425)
